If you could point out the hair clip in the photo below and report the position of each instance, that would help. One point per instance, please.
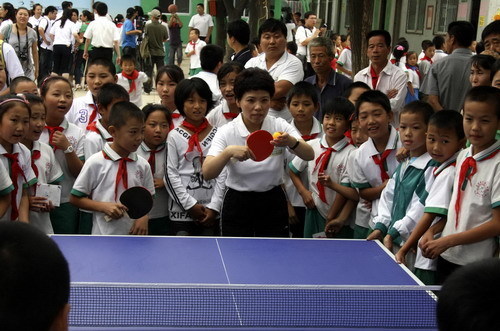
(400, 48)
(23, 100)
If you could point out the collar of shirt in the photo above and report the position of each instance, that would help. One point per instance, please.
(332, 78)
(340, 145)
(462, 52)
(114, 155)
(446, 164)
(282, 60)
(145, 147)
(36, 146)
(316, 128)
(88, 98)
(15, 149)
(392, 143)
(421, 161)
(102, 130)
(484, 154)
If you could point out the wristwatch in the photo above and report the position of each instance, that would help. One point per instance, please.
(68, 150)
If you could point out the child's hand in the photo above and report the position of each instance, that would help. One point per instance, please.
(308, 199)
(428, 236)
(333, 226)
(325, 180)
(410, 89)
(367, 204)
(401, 256)
(375, 235)
(388, 242)
(402, 154)
(38, 204)
(140, 226)
(60, 141)
(209, 219)
(113, 209)
(432, 249)
(198, 212)
(158, 183)
(240, 153)
(392, 93)
(292, 216)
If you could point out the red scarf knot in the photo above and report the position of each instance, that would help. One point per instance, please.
(322, 162)
(309, 137)
(380, 160)
(121, 174)
(152, 158)
(131, 79)
(194, 140)
(230, 116)
(52, 130)
(15, 171)
(426, 58)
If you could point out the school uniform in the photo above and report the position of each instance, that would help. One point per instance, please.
(100, 180)
(213, 83)
(20, 168)
(194, 60)
(157, 160)
(254, 204)
(96, 137)
(345, 60)
(221, 115)
(48, 171)
(366, 173)
(135, 90)
(83, 111)
(5, 182)
(185, 183)
(293, 195)
(335, 166)
(65, 217)
(437, 200)
(479, 194)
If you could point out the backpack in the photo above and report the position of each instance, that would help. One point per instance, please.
(144, 47)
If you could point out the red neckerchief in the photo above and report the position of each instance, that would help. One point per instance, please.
(393, 61)
(374, 77)
(194, 140)
(131, 79)
(322, 161)
(380, 160)
(52, 130)
(467, 170)
(93, 127)
(152, 158)
(121, 174)
(174, 116)
(309, 137)
(348, 47)
(16, 170)
(414, 68)
(193, 44)
(230, 116)
(426, 58)
(93, 115)
(35, 155)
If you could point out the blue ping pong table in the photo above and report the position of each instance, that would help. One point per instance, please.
(208, 283)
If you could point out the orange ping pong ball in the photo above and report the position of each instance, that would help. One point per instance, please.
(277, 134)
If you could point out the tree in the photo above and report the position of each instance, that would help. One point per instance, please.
(361, 17)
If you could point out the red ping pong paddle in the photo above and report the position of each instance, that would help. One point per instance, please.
(259, 143)
(138, 201)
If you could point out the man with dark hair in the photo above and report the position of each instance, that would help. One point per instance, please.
(34, 280)
(211, 58)
(130, 33)
(303, 37)
(447, 81)
(491, 37)
(438, 42)
(285, 68)
(202, 22)
(238, 37)
(381, 74)
(157, 34)
(175, 42)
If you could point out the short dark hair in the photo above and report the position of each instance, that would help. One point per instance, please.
(492, 28)
(309, 13)
(152, 107)
(34, 278)
(127, 58)
(482, 61)
(374, 96)
(101, 8)
(418, 107)
(240, 30)
(383, 33)
(185, 90)
(66, 4)
(122, 111)
(496, 67)
(48, 10)
(438, 41)
(292, 47)
(426, 44)
(88, 15)
(172, 71)
(16, 81)
(253, 79)
(51, 80)
(338, 105)
(303, 88)
(228, 68)
(448, 119)
(486, 94)
(201, 5)
(354, 85)
(210, 56)
(109, 92)
(100, 61)
(463, 32)
(34, 99)
(469, 297)
(272, 25)
(195, 30)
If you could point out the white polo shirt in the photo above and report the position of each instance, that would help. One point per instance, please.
(5, 182)
(211, 79)
(202, 23)
(302, 34)
(481, 195)
(49, 172)
(64, 35)
(194, 60)
(46, 25)
(216, 116)
(12, 63)
(81, 110)
(24, 159)
(345, 60)
(103, 32)
(160, 206)
(76, 138)
(94, 141)
(288, 67)
(97, 180)
(136, 95)
(250, 175)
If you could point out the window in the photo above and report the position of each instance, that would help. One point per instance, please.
(182, 5)
(416, 16)
(446, 13)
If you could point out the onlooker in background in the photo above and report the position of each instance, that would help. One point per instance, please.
(85, 18)
(62, 31)
(491, 37)
(328, 83)
(438, 42)
(211, 58)
(36, 17)
(202, 22)
(130, 33)
(296, 18)
(291, 47)
(238, 36)
(290, 27)
(46, 46)
(174, 27)
(303, 37)
(447, 82)
(344, 62)
(193, 49)
(7, 14)
(481, 70)
(425, 61)
(157, 34)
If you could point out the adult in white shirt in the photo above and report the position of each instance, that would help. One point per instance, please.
(37, 16)
(381, 74)
(62, 33)
(285, 68)
(103, 35)
(7, 14)
(13, 67)
(202, 22)
(303, 36)
(45, 49)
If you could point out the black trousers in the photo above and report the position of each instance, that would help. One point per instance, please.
(45, 64)
(101, 52)
(149, 64)
(255, 214)
(444, 269)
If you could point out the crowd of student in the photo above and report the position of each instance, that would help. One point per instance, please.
(349, 161)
